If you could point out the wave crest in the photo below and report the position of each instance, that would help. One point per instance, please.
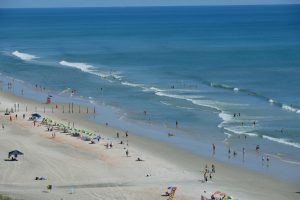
(282, 141)
(91, 70)
(24, 56)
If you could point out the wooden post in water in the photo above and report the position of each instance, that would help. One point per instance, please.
(63, 109)
(69, 107)
(72, 107)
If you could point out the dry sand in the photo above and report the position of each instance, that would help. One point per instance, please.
(79, 170)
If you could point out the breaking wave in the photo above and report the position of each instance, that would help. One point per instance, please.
(282, 141)
(24, 56)
(87, 68)
(284, 106)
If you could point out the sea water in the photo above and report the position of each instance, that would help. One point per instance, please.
(228, 75)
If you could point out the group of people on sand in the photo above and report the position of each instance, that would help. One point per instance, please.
(208, 173)
(109, 146)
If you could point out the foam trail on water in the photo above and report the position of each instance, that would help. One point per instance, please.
(228, 135)
(91, 70)
(282, 141)
(243, 90)
(290, 108)
(165, 103)
(24, 56)
(132, 84)
(82, 66)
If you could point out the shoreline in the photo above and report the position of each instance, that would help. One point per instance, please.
(232, 179)
(198, 145)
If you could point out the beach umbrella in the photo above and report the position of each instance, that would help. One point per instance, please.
(219, 195)
(15, 153)
(229, 197)
(36, 115)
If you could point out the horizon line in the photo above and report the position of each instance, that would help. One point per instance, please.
(139, 6)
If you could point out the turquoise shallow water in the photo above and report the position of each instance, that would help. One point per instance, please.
(196, 65)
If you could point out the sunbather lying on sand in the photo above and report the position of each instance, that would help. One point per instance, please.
(138, 159)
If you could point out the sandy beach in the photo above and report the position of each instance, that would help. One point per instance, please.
(79, 170)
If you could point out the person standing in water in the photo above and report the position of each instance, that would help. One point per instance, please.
(176, 123)
(268, 159)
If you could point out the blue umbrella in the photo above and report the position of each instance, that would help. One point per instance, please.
(36, 115)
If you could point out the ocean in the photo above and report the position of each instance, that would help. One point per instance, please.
(229, 75)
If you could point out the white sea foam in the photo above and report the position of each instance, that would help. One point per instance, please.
(152, 89)
(228, 135)
(131, 84)
(66, 91)
(225, 116)
(165, 103)
(92, 70)
(186, 108)
(290, 108)
(238, 131)
(175, 96)
(24, 56)
(82, 66)
(282, 141)
(206, 103)
(271, 100)
(236, 89)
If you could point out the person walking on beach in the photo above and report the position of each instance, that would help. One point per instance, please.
(213, 169)
(126, 134)
(117, 134)
(16, 116)
(268, 159)
(2, 126)
(257, 148)
(214, 148)
(205, 176)
(234, 153)
(23, 116)
(206, 168)
(127, 153)
(176, 123)
(10, 118)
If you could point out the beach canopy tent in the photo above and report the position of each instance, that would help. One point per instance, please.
(15, 153)
(221, 196)
(36, 115)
